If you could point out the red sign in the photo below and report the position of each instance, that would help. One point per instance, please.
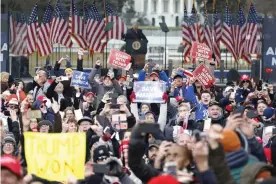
(119, 59)
(204, 76)
(201, 52)
(268, 70)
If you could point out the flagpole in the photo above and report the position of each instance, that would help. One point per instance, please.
(106, 21)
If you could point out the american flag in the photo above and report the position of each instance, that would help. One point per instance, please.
(186, 35)
(77, 26)
(217, 36)
(18, 47)
(228, 33)
(193, 25)
(240, 36)
(252, 31)
(59, 27)
(12, 28)
(44, 44)
(95, 30)
(119, 27)
(208, 37)
(32, 31)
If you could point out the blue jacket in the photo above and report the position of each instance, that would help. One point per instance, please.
(177, 91)
(201, 109)
(241, 95)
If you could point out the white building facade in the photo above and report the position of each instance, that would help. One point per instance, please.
(169, 11)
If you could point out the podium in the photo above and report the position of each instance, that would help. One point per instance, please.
(137, 49)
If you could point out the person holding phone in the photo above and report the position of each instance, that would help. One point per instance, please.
(245, 87)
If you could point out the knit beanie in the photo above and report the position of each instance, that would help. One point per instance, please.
(163, 179)
(230, 141)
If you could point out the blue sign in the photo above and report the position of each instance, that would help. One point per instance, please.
(269, 49)
(80, 79)
(149, 91)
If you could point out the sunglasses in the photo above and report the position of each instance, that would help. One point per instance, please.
(13, 106)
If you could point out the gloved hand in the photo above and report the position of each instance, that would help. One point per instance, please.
(165, 97)
(98, 64)
(132, 97)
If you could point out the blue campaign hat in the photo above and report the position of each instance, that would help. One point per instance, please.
(179, 74)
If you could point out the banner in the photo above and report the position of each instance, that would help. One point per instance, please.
(204, 76)
(201, 52)
(119, 59)
(80, 79)
(55, 157)
(269, 49)
(149, 92)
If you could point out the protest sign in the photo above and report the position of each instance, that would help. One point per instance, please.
(119, 59)
(204, 76)
(80, 79)
(201, 52)
(149, 92)
(55, 157)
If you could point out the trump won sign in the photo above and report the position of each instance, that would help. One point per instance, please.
(204, 76)
(119, 59)
(201, 52)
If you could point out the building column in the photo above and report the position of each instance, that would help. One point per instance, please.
(160, 7)
(149, 7)
(171, 6)
(142, 6)
(181, 9)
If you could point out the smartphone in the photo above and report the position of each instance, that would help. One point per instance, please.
(239, 110)
(7, 113)
(274, 131)
(67, 58)
(114, 106)
(119, 117)
(64, 78)
(100, 168)
(171, 169)
(151, 128)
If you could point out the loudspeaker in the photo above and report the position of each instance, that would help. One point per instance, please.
(255, 69)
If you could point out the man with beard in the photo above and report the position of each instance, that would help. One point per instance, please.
(153, 151)
(110, 84)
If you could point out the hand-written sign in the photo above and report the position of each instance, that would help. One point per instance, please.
(149, 92)
(55, 157)
(119, 59)
(80, 79)
(201, 52)
(204, 76)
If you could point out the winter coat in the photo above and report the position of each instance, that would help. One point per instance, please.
(101, 88)
(14, 128)
(218, 163)
(163, 76)
(256, 149)
(241, 95)
(237, 160)
(250, 172)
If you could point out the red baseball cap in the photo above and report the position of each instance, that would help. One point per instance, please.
(154, 73)
(90, 93)
(12, 164)
(245, 78)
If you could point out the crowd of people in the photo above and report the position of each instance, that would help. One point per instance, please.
(208, 136)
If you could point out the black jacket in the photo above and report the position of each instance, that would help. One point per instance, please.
(135, 35)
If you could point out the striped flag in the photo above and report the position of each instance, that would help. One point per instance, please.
(32, 31)
(44, 44)
(252, 31)
(240, 36)
(217, 36)
(208, 37)
(59, 28)
(18, 47)
(186, 35)
(119, 27)
(193, 25)
(77, 26)
(12, 28)
(95, 29)
(228, 33)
